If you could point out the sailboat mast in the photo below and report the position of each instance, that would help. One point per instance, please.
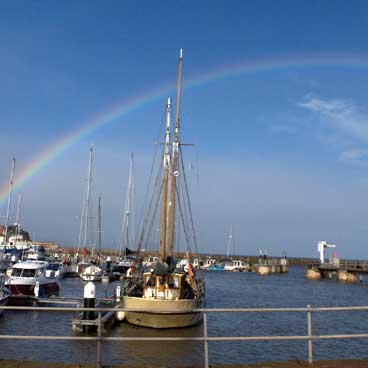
(88, 194)
(175, 161)
(18, 209)
(18, 212)
(9, 201)
(127, 209)
(99, 226)
(229, 241)
(166, 183)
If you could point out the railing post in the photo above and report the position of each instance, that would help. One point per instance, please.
(98, 362)
(205, 335)
(310, 347)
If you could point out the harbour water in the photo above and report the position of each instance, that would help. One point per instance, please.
(227, 290)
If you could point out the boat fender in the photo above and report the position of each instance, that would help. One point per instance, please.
(120, 315)
(37, 289)
(117, 293)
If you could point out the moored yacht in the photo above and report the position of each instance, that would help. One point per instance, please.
(167, 296)
(236, 265)
(55, 269)
(29, 279)
(92, 273)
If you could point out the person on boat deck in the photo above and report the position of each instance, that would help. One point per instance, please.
(187, 290)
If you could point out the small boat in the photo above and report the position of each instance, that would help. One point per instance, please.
(236, 266)
(216, 267)
(125, 263)
(29, 279)
(92, 273)
(208, 262)
(55, 269)
(36, 253)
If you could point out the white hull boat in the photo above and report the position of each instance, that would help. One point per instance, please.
(92, 273)
(29, 279)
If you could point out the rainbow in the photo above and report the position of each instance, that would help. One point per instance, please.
(140, 101)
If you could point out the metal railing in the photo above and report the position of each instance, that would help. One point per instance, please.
(205, 338)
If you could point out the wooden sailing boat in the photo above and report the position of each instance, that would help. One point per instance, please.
(166, 296)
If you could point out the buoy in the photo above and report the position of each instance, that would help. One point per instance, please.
(89, 298)
(120, 315)
(313, 274)
(346, 276)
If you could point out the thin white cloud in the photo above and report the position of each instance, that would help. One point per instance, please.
(342, 116)
(346, 124)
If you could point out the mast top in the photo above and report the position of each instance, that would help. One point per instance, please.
(181, 54)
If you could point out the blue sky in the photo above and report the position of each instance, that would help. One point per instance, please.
(282, 153)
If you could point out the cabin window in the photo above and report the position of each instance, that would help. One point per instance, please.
(174, 283)
(28, 273)
(16, 272)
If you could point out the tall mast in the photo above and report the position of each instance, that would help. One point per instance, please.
(175, 161)
(166, 184)
(18, 214)
(99, 226)
(128, 210)
(18, 209)
(88, 195)
(229, 241)
(9, 201)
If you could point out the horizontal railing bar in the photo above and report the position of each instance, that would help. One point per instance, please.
(173, 338)
(36, 337)
(326, 309)
(198, 310)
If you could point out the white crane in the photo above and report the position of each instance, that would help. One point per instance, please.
(321, 249)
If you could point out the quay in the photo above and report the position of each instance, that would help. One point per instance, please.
(349, 271)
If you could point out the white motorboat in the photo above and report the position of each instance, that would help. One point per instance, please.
(208, 262)
(36, 253)
(92, 273)
(236, 266)
(29, 279)
(55, 269)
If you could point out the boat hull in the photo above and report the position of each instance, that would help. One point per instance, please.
(29, 289)
(162, 313)
(3, 302)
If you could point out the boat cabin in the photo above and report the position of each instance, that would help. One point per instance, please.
(168, 287)
(29, 269)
